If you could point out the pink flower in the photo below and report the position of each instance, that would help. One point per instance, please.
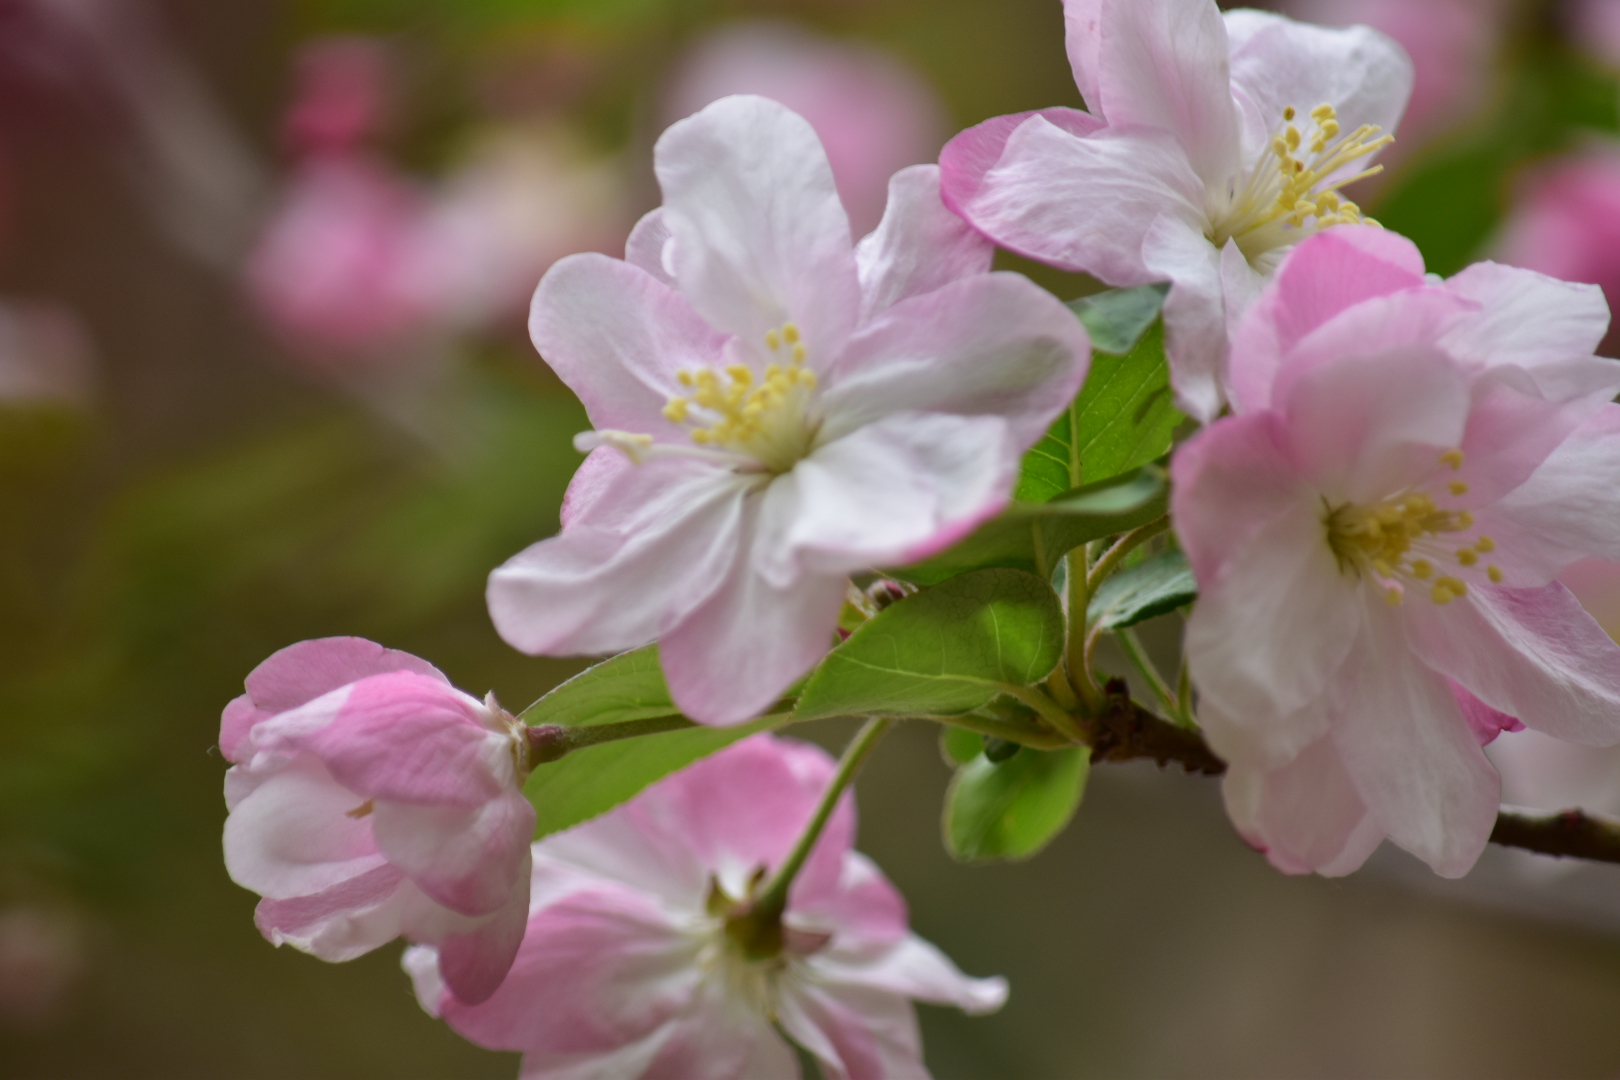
(1566, 222)
(1213, 144)
(627, 968)
(1376, 537)
(790, 409)
(1594, 25)
(874, 115)
(370, 799)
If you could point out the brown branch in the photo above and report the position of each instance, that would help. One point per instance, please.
(1571, 834)
(1128, 732)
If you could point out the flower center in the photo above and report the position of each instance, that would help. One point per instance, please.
(1288, 196)
(1409, 541)
(772, 421)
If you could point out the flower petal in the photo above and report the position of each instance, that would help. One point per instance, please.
(603, 585)
(1164, 64)
(471, 860)
(1534, 654)
(1536, 322)
(1305, 816)
(1363, 74)
(991, 344)
(854, 1033)
(1084, 203)
(1195, 314)
(842, 892)
(918, 247)
(1319, 278)
(890, 493)
(410, 738)
(973, 153)
(732, 658)
(1082, 31)
(474, 964)
(1274, 628)
(912, 968)
(292, 836)
(301, 673)
(645, 247)
(761, 237)
(347, 920)
(617, 337)
(1410, 752)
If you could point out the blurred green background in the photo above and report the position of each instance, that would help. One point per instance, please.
(219, 485)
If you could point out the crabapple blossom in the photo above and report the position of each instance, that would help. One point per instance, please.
(631, 965)
(1213, 144)
(1376, 536)
(775, 408)
(370, 800)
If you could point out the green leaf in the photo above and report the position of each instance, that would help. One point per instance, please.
(1123, 417)
(948, 649)
(1013, 809)
(1154, 586)
(594, 780)
(629, 686)
(1034, 536)
(1116, 318)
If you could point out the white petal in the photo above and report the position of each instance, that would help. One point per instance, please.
(919, 246)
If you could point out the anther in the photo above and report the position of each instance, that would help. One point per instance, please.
(1485, 545)
(773, 340)
(1468, 556)
(1392, 596)
(1422, 568)
(1495, 574)
(1454, 458)
(790, 332)
(1457, 487)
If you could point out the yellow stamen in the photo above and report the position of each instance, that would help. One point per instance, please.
(1454, 458)
(1457, 487)
(1485, 545)
(1468, 556)
(1495, 574)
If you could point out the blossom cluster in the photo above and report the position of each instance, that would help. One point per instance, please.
(807, 492)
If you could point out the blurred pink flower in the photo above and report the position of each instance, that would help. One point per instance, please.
(1594, 25)
(370, 800)
(361, 264)
(1452, 44)
(1375, 538)
(46, 356)
(627, 968)
(1566, 223)
(874, 115)
(776, 408)
(45, 951)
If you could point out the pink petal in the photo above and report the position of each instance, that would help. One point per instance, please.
(1305, 816)
(889, 493)
(1228, 482)
(471, 860)
(629, 970)
(617, 337)
(347, 920)
(986, 344)
(1363, 427)
(1549, 774)
(473, 965)
(303, 672)
(1512, 432)
(646, 244)
(843, 893)
(920, 245)
(1164, 64)
(732, 658)
(1485, 722)
(1195, 312)
(761, 237)
(603, 585)
(1363, 74)
(722, 1039)
(1321, 277)
(409, 738)
(1271, 632)
(1533, 321)
(974, 152)
(1409, 751)
(854, 1033)
(292, 836)
(1561, 514)
(594, 477)
(1534, 654)
(1083, 203)
(909, 968)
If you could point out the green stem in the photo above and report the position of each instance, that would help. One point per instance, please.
(1122, 547)
(1131, 645)
(1049, 710)
(1090, 697)
(548, 742)
(1034, 738)
(772, 901)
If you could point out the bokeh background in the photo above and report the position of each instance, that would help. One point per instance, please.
(263, 377)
